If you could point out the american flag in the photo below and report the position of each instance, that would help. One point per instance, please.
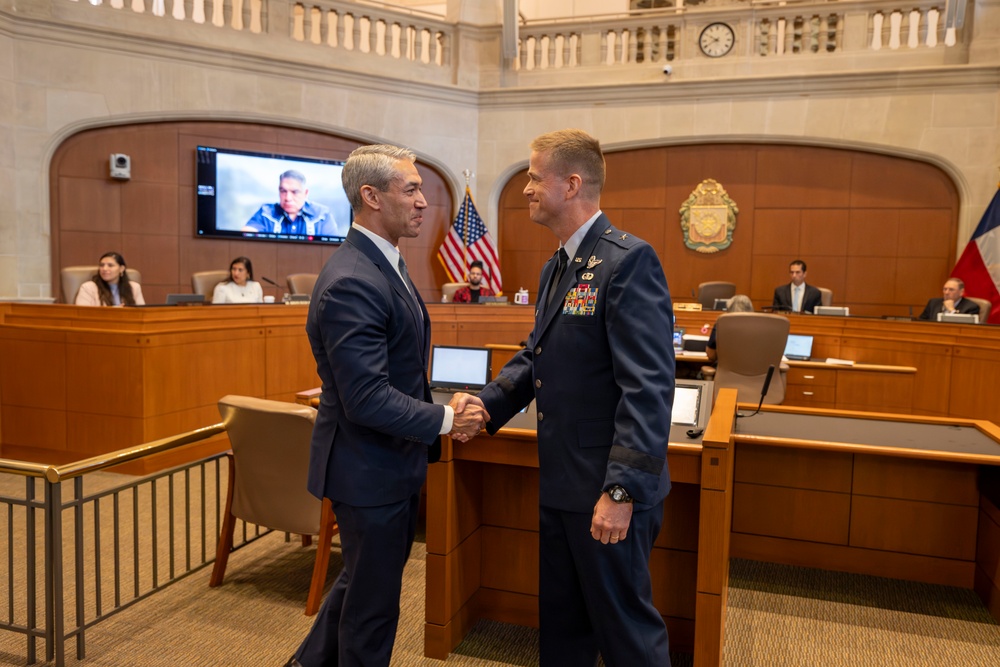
(468, 240)
(979, 265)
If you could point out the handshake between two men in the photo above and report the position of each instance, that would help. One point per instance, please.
(470, 416)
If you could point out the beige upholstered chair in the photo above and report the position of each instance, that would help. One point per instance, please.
(712, 290)
(825, 296)
(448, 290)
(985, 306)
(268, 466)
(72, 277)
(747, 344)
(301, 283)
(204, 282)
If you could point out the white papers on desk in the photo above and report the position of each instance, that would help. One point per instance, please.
(840, 362)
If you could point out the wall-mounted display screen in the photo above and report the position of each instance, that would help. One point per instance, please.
(270, 197)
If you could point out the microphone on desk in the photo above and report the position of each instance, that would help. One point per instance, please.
(269, 281)
(763, 392)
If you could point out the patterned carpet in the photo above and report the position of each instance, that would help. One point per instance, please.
(778, 616)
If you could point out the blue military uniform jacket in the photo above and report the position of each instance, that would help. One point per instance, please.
(600, 364)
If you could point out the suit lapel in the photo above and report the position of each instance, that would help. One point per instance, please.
(372, 252)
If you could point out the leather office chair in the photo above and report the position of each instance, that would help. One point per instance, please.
(747, 344)
(72, 277)
(448, 291)
(301, 283)
(708, 292)
(985, 306)
(826, 296)
(268, 466)
(204, 282)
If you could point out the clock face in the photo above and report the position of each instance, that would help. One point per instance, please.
(716, 40)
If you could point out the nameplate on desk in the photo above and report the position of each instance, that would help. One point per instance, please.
(687, 306)
(839, 362)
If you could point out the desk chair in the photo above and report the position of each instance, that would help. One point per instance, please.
(204, 282)
(268, 466)
(825, 296)
(448, 290)
(301, 283)
(708, 292)
(985, 306)
(747, 343)
(72, 277)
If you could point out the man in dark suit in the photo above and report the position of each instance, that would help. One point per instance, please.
(376, 427)
(797, 296)
(600, 365)
(951, 301)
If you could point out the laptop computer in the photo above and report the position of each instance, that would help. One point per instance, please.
(184, 299)
(455, 368)
(799, 347)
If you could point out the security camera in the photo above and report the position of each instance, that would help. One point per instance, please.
(668, 69)
(121, 166)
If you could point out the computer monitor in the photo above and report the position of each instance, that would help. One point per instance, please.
(799, 347)
(687, 404)
(958, 318)
(455, 368)
(678, 339)
(721, 304)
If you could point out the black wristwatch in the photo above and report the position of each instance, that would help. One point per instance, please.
(618, 494)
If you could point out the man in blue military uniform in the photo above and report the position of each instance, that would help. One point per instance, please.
(293, 214)
(599, 363)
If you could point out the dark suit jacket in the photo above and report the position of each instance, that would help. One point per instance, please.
(371, 341)
(935, 306)
(783, 298)
(600, 364)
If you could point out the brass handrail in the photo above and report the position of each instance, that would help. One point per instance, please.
(69, 470)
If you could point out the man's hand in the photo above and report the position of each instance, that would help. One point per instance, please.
(470, 416)
(611, 520)
(949, 306)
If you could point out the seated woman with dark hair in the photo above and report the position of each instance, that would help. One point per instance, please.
(241, 287)
(110, 286)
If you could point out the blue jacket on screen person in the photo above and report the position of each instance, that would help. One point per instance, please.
(313, 220)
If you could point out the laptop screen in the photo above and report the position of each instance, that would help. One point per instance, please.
(461, 368)
(799, 346)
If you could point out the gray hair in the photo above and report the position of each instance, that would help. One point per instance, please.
(372, 165)
(740, 303)
(294, 175)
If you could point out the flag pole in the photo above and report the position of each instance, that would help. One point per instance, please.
(465, 233)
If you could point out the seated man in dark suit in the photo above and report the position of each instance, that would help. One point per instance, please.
(951, 301)
(797, 296)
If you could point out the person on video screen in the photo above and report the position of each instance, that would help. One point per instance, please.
(293, 214)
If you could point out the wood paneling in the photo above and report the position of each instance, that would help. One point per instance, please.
(914, 479)
(907, 526)
(879, 231)
(150, 217)
(795, 514)
(794, 468)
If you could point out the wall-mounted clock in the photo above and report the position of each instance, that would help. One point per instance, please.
(716, 40)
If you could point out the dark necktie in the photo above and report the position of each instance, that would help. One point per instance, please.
(409, 285)
(557, 274)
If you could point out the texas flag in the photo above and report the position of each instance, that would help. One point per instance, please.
(979, 265)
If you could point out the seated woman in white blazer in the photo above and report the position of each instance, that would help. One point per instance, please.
(110, 286)
(241, 287)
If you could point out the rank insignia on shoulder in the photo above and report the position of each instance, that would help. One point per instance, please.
(593, 261)
(607, 231)
(624, 236)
